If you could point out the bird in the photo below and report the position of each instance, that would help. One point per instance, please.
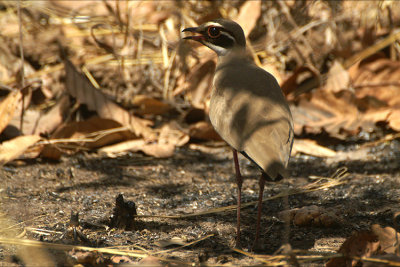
(247, 108)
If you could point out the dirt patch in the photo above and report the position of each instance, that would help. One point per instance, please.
(41, 195)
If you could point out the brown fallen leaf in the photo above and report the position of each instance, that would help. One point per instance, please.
(388, 238)
(291, 85)
(169, 137)
(310, 147)
(338, 114)
(80, 87)
(394, 120)
(31, 118)
(377, 80)
(148, 105)
(203, 131)
(359, 244)
(7, 108)
(338, 78)
(54, 117)
(151, 149)
(248, 15)
(170, 134)
(377, 77)
(92, 133)
(199, 82)
(14, 148)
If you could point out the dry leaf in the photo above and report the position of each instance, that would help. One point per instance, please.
(248, 15)
(339, 114)
(170, 134)
(203, 131)
(14, 148)
(151, 149)
(322, 110)
(93, 133)
(394, 120)
(169, 138)
(377, 81)
(310, 147)
(148, 105)
(79, 87)
(7, 108)
(31, 118)
(338, 78)
(360, 244)
(292, 83)
(158, 150)
(378, 78)
(388, 238)
(54, 117)
(200, 80)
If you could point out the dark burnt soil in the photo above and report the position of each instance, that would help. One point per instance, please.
(42, 195)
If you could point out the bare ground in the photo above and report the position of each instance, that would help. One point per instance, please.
(42, 194)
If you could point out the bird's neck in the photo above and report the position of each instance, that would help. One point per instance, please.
(236, 50)
(235, 54)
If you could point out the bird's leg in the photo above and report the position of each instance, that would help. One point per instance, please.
(239, 182)
(261, 182)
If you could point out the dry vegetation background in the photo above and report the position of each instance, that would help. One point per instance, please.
(114, 77)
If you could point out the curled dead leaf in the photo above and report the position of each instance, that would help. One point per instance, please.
(7, 108)
(92, 133)
(248, 15)
(310, 147)
(152, 149)
(338, 78)
(54, 117)
(80, 87)
(359, 244)
(148, 105)
(204, 131)
(14, 148)
(388, 238)
(164, 146)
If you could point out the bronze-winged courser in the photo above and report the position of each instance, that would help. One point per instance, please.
(247, 107)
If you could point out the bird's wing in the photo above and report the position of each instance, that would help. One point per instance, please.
(253, 117)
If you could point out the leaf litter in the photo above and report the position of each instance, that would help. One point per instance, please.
(138, 88)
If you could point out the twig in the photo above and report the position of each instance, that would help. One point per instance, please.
(334, 180)
(22, 72)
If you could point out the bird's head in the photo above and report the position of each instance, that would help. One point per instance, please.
(220, 35)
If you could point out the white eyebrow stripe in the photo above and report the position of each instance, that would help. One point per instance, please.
(208, 24)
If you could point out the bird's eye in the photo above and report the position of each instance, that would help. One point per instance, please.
(214, 32)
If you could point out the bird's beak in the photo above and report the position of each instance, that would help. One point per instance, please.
(194, 37)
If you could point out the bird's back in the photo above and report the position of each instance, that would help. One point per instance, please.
(251, 114)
